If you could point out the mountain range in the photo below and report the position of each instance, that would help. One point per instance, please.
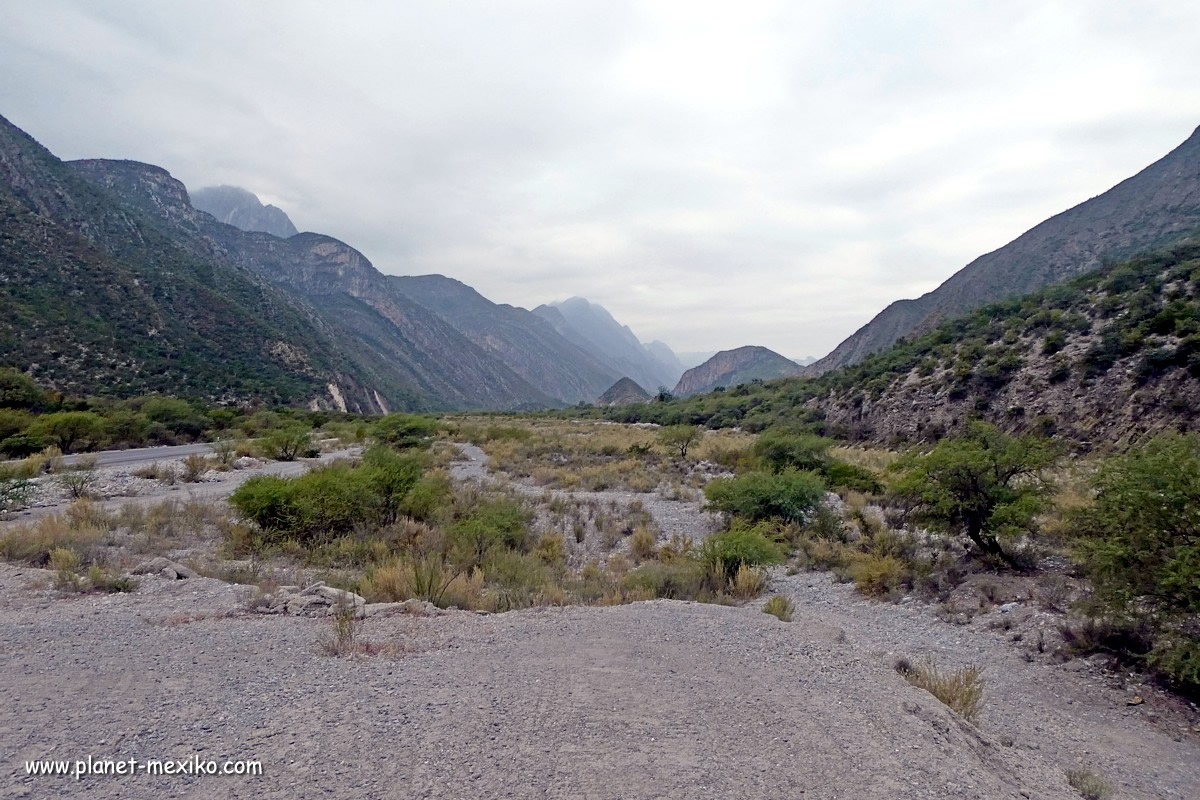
(1154, 207)
(733, 367)
(117, 280)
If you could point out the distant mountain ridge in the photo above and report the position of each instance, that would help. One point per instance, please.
(242, 209)
(525, 342)
(731, 367)
(422, 359)
(592, 327)
(1155, 206)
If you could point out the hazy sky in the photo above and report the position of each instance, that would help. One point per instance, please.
(715, 174)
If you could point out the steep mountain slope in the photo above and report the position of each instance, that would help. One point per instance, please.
(424, 361)
(1108, 357)
(242, 209)
(527, 343)
(97, 297)
(622, 393)
(1160, 203)
(733, 367)
(591, 327)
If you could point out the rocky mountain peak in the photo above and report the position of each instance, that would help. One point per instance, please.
(242, 209)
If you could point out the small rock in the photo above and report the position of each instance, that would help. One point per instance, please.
(1136, 700)
(1009, 607)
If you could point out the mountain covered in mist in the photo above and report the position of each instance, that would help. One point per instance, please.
(242, 209)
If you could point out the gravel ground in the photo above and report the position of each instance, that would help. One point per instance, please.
(673, 517)
(661, 699)
(116, 486)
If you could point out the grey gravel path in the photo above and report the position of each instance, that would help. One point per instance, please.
(659, 699)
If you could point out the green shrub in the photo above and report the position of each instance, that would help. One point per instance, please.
(789, 496)
(842, 475)
(489, 524)
(779, 451)
(391, 476)
(428, 496)
(404, 430)
(1139, 545)
(678, 438)
(318, 506)
(284, 444)
(22, 445)
(680, 579)
(878, 575)
(742, 545)
(18, 390)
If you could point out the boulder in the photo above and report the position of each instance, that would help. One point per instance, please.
(166, 568)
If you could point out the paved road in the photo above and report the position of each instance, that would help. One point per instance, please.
(112, 458)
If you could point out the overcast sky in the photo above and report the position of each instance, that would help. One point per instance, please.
(715, 174)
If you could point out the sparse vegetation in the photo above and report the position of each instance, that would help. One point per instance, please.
(961, 690)
(780, 606)
(1090, 785)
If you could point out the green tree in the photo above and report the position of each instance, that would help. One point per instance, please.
(18, 390)
(984, 484)
(780, 451)
(1140, 543)
(678, 438)
(69, 429)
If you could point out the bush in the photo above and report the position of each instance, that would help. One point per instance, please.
(681, 579)
(391, 476)
(878, 575)
(789, 496)
(318, 506)
(14, 491)
(18, 390)
(984, 484)
(851, 476)
(489, 524)
(780, 451)
(405, 430)
(1139, 546)
(284, 444)
(742, 545)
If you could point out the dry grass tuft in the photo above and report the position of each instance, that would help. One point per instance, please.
(780, 607)
(1089, 784)
(961, 690)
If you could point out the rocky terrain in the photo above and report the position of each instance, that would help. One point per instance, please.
(1160, 203)
(732, 367)
(242, 209)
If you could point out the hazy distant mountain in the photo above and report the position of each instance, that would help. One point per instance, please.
(591, 327)
(623, 393)
(731, 367)
(665, 357)
(527, 343)
(804, 362)
(243, 209)
(113, 283)
(1158, 205)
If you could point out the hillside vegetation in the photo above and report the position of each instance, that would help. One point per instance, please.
(1152, 209)
(1110, 356)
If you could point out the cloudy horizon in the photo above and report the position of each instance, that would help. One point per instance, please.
(714, 175)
